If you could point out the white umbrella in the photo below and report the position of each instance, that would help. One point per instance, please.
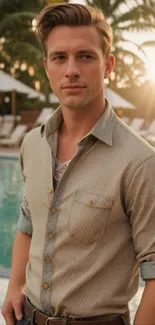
(10, 84)
(115, 100)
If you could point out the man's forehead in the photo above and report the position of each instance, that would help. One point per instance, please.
(65, 38)
(78, 47)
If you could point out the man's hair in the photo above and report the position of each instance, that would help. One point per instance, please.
(60, 14)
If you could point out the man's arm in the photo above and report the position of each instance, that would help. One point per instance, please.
(141, 211)
(14, 300)
(146, 312)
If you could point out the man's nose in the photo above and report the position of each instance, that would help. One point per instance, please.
(72, 69)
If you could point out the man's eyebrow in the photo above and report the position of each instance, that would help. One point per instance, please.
(86, 51)
(53, 53)
(79, 51)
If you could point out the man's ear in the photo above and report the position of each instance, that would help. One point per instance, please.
(45, 66)
(109, 66)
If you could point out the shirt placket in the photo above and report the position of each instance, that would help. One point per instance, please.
(46, 288)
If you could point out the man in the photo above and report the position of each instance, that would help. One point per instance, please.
(87, 218)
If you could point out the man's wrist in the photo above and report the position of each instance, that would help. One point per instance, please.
(16, 285)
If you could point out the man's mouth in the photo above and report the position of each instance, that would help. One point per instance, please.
(74, 86)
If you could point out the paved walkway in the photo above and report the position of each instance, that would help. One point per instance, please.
(3, 288)
(9, 151)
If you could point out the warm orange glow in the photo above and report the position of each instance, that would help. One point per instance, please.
(151, 64)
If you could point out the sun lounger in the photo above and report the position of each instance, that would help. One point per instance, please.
(7, 126)
(126, 119)
(149, 132)
(150, 135)
(44, 115)
(151, 139)
(16, 136)
(136, 124)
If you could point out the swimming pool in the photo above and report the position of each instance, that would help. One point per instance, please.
(11, 191)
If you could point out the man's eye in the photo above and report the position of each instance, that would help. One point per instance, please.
(86, 56)
(59, 58)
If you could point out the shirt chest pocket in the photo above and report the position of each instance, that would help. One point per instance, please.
(89, 216)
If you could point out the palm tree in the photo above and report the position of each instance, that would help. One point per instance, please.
(19, 48)
(18, 42)
(127, 16)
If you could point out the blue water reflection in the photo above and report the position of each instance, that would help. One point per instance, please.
(11, 191)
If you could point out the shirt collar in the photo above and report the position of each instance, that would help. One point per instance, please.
(102, 130)
(52, 124)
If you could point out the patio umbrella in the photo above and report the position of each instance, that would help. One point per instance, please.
(10, 84)
(115, 99)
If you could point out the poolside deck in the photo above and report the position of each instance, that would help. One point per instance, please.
(3, 289)
(9, 152)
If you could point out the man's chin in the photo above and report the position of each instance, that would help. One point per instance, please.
(72, 105)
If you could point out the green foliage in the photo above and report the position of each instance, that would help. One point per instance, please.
(18, 40)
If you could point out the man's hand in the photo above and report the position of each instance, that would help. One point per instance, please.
(12, 307)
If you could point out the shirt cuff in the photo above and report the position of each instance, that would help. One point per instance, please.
(24, 223)
(147, 270)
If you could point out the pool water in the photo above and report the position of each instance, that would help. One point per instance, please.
(11, 191)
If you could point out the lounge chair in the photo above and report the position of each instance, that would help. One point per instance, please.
(125, 119)
(7, 126)
(44, 115)
(136, 124)
(16, 136)
(149, 132)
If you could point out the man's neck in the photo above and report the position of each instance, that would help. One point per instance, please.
(76, 124)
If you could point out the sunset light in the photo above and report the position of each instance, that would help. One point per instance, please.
(151, 64)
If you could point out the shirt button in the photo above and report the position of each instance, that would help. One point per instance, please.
(51, 236)
(46, 286)
(54, 210)
(47, 259)
(91, 203)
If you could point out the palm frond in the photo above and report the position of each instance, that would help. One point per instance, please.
(15, 20)
(148, 43)
(140, 13)
(105, 5)
(116, 4)
(138, 46)
(138, 27)
(121, 53)
(23, 51)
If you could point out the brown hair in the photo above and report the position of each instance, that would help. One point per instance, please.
(54, 15)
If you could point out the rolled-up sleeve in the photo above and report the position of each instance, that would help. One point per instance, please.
(147, 270)
(140, 202)
(24, 222)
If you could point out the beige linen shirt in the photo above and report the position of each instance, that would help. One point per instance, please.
(91, 233)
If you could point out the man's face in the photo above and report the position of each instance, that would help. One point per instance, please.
(75, 65)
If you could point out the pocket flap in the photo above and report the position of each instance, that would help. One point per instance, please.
(93, 200)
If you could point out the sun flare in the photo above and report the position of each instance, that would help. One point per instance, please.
(150, 64)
